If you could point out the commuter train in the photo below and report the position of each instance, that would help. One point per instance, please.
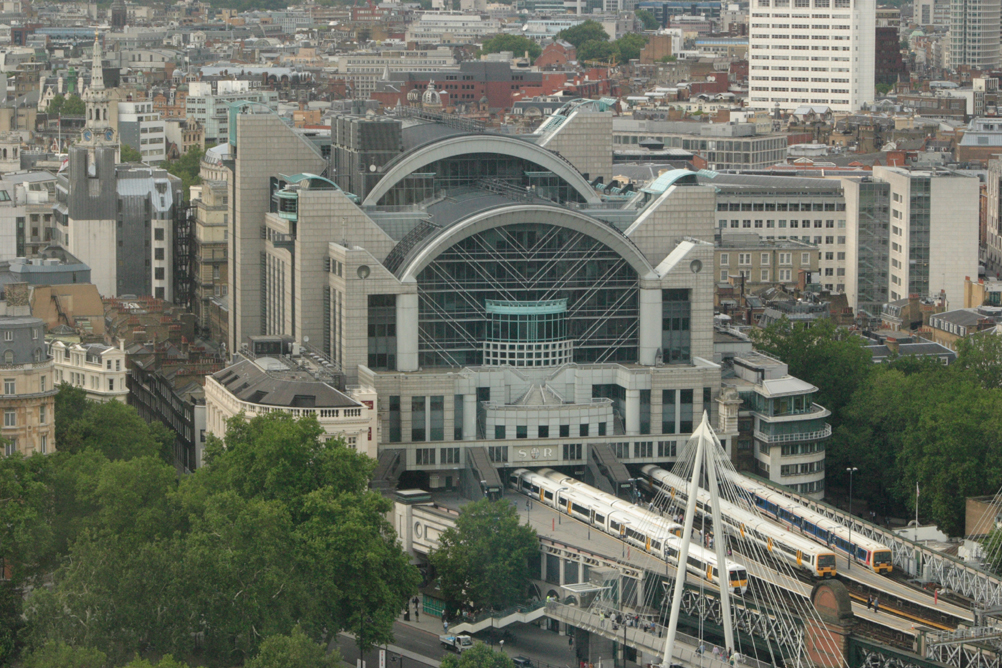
(623, 520)
(876, 556)
(781, 543)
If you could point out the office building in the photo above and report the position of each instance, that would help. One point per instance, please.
(974, 33)
(724, 146)
(211, 237)
(209, 105)
(910, 233)
(781, 208)
(363, 69)
(119, 221)
(143, 129)
(812, 52)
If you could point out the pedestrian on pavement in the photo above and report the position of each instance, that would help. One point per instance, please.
(445, 625)
(570, 641)
(869, 602)
(417, 615)
(876, 604)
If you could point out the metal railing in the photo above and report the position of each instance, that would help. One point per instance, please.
(795, 438)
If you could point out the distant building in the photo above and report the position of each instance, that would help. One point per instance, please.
(97, 369)
(119, 220)
(782, 433)
(260, 384)
(142, 128)
(910, 232)
(974, 34)
(29, 388)
(752, 262)
(844, 29)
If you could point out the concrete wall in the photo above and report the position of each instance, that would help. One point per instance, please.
(265, 147)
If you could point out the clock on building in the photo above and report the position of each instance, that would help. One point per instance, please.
(109, 135)
(87, 135)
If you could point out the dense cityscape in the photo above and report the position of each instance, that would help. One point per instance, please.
(435, 334)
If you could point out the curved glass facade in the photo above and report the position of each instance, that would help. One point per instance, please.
(527, 262)
(470, 169)
(527, 333)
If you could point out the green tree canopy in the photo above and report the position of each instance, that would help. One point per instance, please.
(823, 354)
(280, 526)
(982, 355)
(187, 168)
(646, 17)
(66, 106)
(479, 656)
(483, 560)
(130, 154)
(598, 51)
(517, 44)
(56, 654)
(586, 31)
(630, 46)
(296, 650)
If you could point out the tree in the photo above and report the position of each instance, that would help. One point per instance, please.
(484, 560)
(598, 51)
(586, 31)
(647, 17)
(57, 654)
(295, 650)
(884, 89)
(281, 527)
(517, 44)
(630, 46)
(823, 354)
(25, 516)
(71, 404)
(74, 106)
(187, 168)
(982, 355)
(130, 154)
(479, 656)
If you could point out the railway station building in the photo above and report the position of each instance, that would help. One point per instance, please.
(505, 311)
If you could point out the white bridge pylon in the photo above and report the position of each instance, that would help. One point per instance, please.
(707, 445)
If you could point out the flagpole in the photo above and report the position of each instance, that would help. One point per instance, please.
(916, 509)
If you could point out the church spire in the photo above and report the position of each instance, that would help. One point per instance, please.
(96, 70)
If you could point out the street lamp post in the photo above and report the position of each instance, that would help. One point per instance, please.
(852, 550)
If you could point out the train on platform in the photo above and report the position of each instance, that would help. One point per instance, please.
(776, 505)
(625, 521)
(781, 543)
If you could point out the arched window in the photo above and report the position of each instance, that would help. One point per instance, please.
(90, 114)
(8, 357)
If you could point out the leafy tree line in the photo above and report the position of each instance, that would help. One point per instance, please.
(592, 43)
(907, 421)
(67, 106)
(275, 545)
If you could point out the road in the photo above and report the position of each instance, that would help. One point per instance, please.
(420, 648)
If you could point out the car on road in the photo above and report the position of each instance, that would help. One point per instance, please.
(523, 662)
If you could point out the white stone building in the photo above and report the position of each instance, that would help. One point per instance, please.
(261, 385)
(96, 368)
(812, 52)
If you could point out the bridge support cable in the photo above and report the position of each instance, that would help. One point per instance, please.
(762, 613)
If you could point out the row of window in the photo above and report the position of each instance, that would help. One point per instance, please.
(10, 416)
(783, 258)
(543, 431)
(10, 447)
